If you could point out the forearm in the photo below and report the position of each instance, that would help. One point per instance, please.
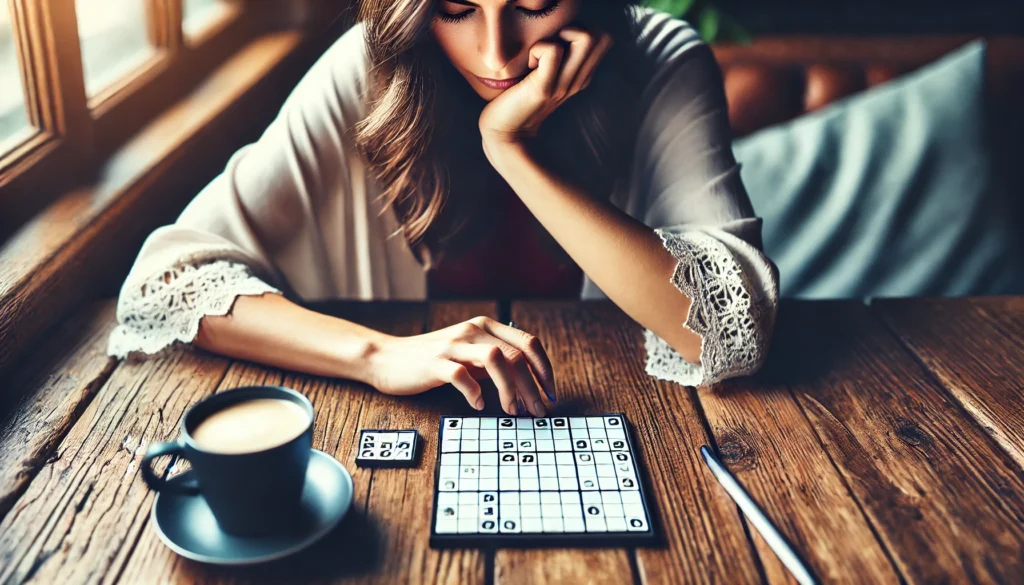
(269, 329)
(623, 257)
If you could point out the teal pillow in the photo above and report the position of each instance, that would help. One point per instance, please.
(888, 192)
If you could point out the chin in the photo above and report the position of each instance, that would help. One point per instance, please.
(485, 92)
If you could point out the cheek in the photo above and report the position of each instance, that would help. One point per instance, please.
(458, 48)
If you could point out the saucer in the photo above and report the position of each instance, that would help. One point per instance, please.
(186, 524)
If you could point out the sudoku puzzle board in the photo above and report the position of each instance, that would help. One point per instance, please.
(537, 482)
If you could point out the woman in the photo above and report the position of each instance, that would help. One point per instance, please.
(394, 167)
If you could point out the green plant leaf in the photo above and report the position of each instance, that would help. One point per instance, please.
(734, 31)
(709, 24)
(676, 8)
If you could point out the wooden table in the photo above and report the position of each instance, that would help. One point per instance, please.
(885, 441)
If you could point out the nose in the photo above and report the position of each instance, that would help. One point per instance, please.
(498, 46)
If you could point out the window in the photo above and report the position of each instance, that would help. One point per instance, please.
(79, 78)
(13, 112)
(201, 15)
(114, 40)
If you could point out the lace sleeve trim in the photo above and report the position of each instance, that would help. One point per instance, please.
(723, 312)
(166, 309)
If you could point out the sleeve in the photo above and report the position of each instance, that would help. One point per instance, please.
(233, 238)
(686, 184)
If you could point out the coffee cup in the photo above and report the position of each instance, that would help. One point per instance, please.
(249, 449)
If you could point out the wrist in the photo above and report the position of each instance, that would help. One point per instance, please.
(359, 359)
(503, 150)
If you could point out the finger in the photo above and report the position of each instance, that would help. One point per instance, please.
(546, 57)
(531, 347)
(581, 46)
(488, 355)
(529, 393)
(457, 375)
(604, 44)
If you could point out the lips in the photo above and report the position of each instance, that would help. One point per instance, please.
(500, 83)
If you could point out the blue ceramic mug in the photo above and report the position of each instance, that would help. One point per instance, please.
(251, 493)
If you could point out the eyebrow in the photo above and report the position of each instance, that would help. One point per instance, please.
(465, 3)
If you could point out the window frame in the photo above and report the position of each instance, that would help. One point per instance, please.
(75, 133)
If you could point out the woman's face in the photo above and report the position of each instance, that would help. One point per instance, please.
(489, 40)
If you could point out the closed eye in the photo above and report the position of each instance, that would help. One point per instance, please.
(526, 12)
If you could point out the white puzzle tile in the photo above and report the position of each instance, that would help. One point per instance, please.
(532, 525)
(575, 525)
(636, 523)
(553, 524)
(616, 524)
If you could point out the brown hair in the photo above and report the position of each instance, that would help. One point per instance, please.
(422, 123)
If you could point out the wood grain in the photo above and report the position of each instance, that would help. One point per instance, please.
(384, 538)
(598, 358)
(81, 514)
(975, 347)
(945, 500)
(765, 440)
(401, 500)
(48, 394)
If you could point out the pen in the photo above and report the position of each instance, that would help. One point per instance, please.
(764, 526)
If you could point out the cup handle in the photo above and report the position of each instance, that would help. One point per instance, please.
(159, 484)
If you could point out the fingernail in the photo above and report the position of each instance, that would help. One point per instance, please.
(538, 407)
(479, 403)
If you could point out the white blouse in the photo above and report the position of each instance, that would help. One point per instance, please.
(298, 211)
